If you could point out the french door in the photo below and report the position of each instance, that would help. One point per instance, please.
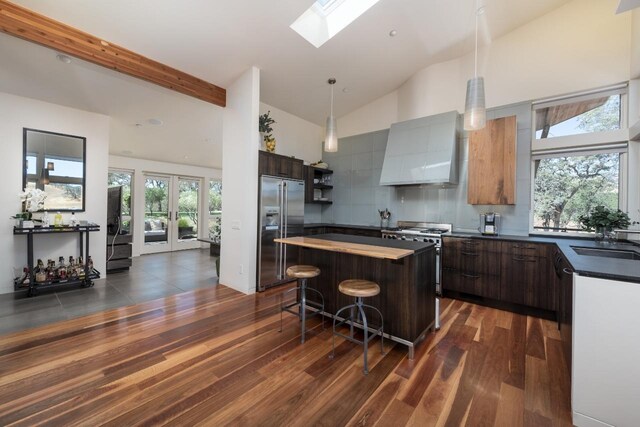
(172, 213)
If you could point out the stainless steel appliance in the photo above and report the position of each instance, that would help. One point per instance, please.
(281, 215)
(423, 232)
(490, 223)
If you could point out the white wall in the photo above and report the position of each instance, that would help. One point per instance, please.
(635, 43)
(139, 167)
(377, 115)
(295, 136)
(18, 112)
(581, 45)
(240, 180)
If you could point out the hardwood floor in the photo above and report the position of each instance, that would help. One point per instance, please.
(215, 357)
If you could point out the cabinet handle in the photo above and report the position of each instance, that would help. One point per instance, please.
(515, 258)
(469, 253)
(524, 247)
(469, 242)
(567, 271)
(470, 276)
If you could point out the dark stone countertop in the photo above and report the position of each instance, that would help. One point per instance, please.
(327, 224)
(376, 241)
(585, 265)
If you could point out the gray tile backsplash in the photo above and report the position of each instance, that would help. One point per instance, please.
(357, 194)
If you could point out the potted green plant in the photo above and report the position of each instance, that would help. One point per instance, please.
(603, 221)
(264, 125)
(184, 227)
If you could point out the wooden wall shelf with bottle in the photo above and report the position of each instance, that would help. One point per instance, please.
(317, 179)
(90, 273)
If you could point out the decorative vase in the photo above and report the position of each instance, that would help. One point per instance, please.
(260, 139)
(270, 145)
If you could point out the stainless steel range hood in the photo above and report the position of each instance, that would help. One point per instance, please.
(422, 151)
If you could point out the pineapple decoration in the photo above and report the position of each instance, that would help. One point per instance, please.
(264, 124)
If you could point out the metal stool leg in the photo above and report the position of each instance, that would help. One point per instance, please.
(365, 326)
(381, 330)
(282, 305)
(303, 306)
(322, 299)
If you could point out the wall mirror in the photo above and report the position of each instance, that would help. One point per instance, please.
(55, 163)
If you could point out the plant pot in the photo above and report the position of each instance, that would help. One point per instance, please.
(604, 234)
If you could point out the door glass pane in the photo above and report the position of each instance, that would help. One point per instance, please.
(123, 179)
(156, 210)
(215, 210)
(188, 209)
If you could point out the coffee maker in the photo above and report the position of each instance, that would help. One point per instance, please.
(489, 223)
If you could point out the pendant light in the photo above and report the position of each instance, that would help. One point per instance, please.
(331, 132)
(475, 113)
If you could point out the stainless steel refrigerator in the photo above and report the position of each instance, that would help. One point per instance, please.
(281, 215)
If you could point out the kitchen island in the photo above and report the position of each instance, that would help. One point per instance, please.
(405, 271)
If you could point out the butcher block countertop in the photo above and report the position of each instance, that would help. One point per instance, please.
(372, 247)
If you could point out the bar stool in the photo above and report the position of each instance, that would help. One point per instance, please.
(358, 289)
(302, 273)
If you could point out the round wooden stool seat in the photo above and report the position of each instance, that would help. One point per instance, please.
(303, 271)
(359, 288)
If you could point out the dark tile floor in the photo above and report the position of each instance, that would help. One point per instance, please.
(150, 277)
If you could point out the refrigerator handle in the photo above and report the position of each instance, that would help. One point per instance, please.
(280, 233)
(286, 224)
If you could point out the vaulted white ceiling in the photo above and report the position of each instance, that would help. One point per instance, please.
(217, 40)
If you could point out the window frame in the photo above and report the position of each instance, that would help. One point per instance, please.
(586, 144)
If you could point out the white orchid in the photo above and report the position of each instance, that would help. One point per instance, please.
(33, 199)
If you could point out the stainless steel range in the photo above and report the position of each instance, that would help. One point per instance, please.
(423, 232)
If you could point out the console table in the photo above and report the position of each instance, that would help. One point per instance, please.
(83, 231)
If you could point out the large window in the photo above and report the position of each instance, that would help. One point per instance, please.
(215, 210)
(566, 187)
(578, 158)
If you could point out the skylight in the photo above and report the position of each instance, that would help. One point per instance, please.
(326, 18)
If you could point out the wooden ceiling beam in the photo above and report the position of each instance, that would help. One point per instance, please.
(27, 25)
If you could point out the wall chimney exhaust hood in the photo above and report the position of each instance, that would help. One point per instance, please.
(422, 151)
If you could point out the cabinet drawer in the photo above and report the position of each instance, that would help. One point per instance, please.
(471, 260)
(484, 285)
(119, 251)
(528, 280)
(471, 245)
(524, 249)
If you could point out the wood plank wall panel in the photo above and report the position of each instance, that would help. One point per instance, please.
(492, 163)
(25, 24)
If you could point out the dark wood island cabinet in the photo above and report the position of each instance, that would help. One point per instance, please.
(405, 271)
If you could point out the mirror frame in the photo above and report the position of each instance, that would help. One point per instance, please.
(84, 165)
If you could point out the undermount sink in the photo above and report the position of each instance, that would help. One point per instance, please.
(608, 253)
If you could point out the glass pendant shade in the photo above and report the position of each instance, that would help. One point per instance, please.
(331, 135)
(475, 113)
(44, 176)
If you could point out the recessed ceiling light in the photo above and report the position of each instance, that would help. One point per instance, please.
(138, 125)
(155, 122)
(393, 33)
(186, 157)
(63, 58)
(345, 90)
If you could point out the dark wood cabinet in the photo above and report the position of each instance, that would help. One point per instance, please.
(471, 266)
(527, 275)
(310, 175)
(281, 166)
(118, 252)
(564, 281)
(505, 271)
